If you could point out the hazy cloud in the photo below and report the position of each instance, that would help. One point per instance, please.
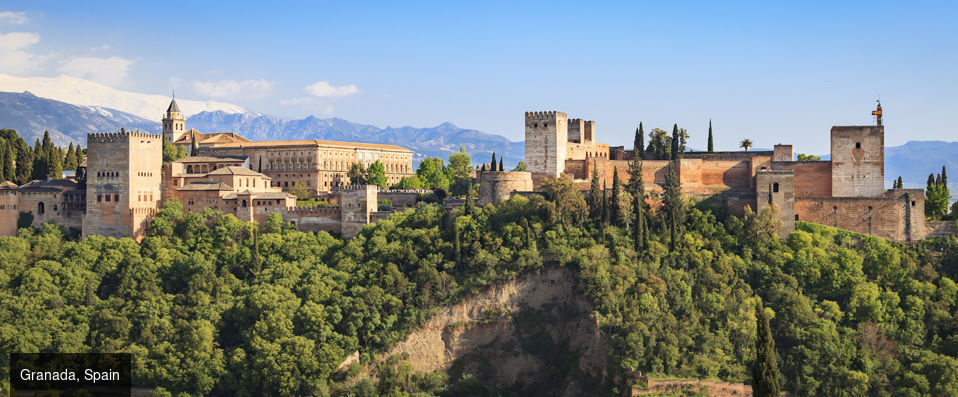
(109, 71)
(15, 58)
(323, 89)
(14, 18)
(231, 89)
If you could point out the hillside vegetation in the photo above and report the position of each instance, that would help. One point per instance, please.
(212, 305)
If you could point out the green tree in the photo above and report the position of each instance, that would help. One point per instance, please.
(615, 211)
(745, 144)
(765, 374)
(638, 146)
(24, 167)
(408, 183)
(520, 167)
(605, 205)
(711, 147)
(69, 160)
(460, 172)
(636, 188)
(79, 156)
(659, 144)
(937, 197)
(170, 152)
(300, 191)
(564, 195)
(376, 174)
(501, 169)
(430, 172)
(944, 176)
(675, 153)
(803, 156)
(357, 174)
(492, 165)
(672, 204)
(595, 208)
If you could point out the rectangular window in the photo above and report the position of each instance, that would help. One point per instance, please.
(107, 197)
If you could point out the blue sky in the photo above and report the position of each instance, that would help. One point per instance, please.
(770, 71)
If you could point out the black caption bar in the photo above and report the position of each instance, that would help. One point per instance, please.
(100, 374)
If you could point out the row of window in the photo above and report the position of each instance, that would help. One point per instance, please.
(142, 197)
(107, 174)
(144, 174)
(12, 207)
(107, 197)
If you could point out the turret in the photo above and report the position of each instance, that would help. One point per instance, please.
(174, 125)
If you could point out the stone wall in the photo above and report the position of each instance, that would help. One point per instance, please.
(858, 161)
(497, 186)
(897, 215)
(812, 178)
(9, 212)
(545, 144)
(127, 167)
(781, 184)
(357, 203)
(314, 219)
(400, 198)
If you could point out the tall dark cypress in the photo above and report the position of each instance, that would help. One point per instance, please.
(640, 141)
(260, 165)
(614, 210)
(595, 210)
(770, 200)
(675, 143)
(931, 180)
(500, 165)
(711, 143)
(765, 374)
(636, 188)
(492, 165)
(672, 203)
(605, 206)
(944, 176)
(900, 185)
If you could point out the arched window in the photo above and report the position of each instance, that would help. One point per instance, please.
(40, 209)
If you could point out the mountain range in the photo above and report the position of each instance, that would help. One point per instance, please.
(31, 115)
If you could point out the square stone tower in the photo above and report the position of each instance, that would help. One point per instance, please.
(357, 203)
(547, 134)
(123, 183)
(858, 161)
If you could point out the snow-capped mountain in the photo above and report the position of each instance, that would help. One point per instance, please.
(82, 92)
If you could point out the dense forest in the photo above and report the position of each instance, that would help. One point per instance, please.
(212, 305)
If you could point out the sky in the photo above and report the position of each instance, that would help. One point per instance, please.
(770, 71)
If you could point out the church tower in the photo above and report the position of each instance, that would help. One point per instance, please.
(174, 125)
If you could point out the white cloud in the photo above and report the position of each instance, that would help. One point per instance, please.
(323, 89)
(233, 89)
(14, 18)
(310, 103)
(109, 71)
(15, 58)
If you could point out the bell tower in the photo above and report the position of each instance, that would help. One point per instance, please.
(174, 125)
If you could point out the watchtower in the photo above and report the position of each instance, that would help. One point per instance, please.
(123, 183)
(546, 136)
(174, 125)
(858, 161)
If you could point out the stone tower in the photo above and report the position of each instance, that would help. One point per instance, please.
(357, 203)
(547, 134)
(174, 125)
(858, 161)
(123, 183)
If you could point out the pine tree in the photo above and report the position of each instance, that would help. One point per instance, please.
(765, 374)
(614, 211)
(500, 165)
(492, 165)
(711, 143)
(605, 206)
(594, 209)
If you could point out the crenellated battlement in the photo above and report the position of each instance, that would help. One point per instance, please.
(317, 210)
(544, 116)
(110, 137)
(350, 188)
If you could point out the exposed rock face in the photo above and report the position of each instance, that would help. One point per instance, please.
(534, 334)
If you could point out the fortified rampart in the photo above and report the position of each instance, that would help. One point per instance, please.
(495, 186)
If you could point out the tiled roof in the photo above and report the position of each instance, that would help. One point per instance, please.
(207, 159)
(7, 185)
(232, 170)
(200, 186)
(173, 107)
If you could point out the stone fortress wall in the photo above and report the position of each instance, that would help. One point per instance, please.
(846, 192)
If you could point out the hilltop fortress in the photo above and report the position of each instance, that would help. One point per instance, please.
(123, 182)
(846, 192)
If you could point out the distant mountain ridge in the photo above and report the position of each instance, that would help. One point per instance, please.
(438, 141)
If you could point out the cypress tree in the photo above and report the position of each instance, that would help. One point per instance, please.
(711, 144)
(614, 210)
(765, 374)
(3, 160)
(40, 164)
(605, 206)
(938, 180)
(636, 188)
(770, 200)
(492, 165)
(457, 244)
(79, 156)
(931, 180)
(260, 165)
(69, 159)
(640, 141)
(594, 210)
(672, 203)
(193, 144)
(674, 153)
(944, 176)
(500, 165)
(900, 185)
(24, 169)
(56, 164)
